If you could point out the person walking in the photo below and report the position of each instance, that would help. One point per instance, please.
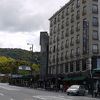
(61, 87)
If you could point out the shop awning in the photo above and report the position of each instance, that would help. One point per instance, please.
(67, 79)
(96, 70)
(79, 78)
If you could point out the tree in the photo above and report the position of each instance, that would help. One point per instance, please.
(36, 68)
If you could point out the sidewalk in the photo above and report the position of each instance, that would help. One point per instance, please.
(87, 95)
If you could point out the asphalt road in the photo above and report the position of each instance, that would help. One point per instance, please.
(8, 92)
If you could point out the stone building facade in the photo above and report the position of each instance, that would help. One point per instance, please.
(74, 42)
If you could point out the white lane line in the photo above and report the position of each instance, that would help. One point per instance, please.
(1, 94)
(38, 97)
(50, 97)
(9, 88)
(11, 99)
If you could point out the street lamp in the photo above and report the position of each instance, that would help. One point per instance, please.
(31, 48)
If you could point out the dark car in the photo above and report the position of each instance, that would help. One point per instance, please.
(76, 90)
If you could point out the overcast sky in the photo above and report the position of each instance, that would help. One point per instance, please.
(22, 20)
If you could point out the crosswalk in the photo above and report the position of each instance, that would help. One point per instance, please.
(7, 87)
(41, 97)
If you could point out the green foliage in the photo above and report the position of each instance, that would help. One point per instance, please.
(6, 64)
(24, 72)
(19, 54)
(36, 68)
(10, 59)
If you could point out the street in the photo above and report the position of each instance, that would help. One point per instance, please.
(8, 92)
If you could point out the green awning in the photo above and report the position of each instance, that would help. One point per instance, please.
(74, 78)
(79, 78)
(96, 70)
(67, 79)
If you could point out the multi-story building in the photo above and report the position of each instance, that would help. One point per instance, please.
(74, 42)
(44, 40)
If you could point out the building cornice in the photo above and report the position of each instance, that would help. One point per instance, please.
(67, 4)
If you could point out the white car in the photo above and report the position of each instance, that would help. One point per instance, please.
(76, 90)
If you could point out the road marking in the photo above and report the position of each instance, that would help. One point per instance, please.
(1, 94)
(50, 97)
(11, 99)
(10, 88)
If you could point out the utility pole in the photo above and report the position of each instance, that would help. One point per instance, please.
(31, 49)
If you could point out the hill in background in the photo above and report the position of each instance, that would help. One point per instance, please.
(19, 54)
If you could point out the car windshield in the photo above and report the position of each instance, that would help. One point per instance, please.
(74, 87)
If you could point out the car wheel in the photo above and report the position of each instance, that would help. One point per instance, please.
(67, 93)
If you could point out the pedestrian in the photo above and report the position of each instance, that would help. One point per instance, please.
(92, 91)
(99, 89)
(61, 87)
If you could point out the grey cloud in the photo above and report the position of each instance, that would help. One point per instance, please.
(14, 18)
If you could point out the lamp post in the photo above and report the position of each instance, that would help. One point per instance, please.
(31, 48)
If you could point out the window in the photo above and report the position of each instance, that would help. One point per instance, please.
(54, 48)
(53, 60)
(98, 63)
(67, 44)
(54, 40)
(62, 35)
(50, 40)
(72, 52)
(54, 30)
(71, 66)
(77, 38)
(78, 3)
(58, 17)
(62, 47)
(77, 65)
(95, 48)
(72, 41)
(72, 8)
(95, 21)
(83, 1)
(78, 27)
(84, 64)
(62, 14)
(84, 10)
(66, 56)
(67, 32)
(61, 68)
(66, 67)
(62, 26)
(95, 35)
(58, 27)
(95, 8)
(78, 15)
(72, 18)
(67, 21)
(67, 11)
(77, 51)
(72, 29)
(51, 22)
(55, 21)
(62, 56)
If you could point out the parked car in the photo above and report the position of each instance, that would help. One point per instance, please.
(76, 90)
